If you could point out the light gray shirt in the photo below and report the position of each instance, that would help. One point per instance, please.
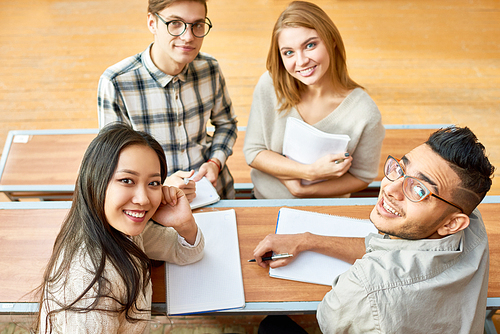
(413, 286)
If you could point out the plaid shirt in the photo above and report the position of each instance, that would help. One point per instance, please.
(175, 110)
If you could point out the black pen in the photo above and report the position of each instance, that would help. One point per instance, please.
(274, 257)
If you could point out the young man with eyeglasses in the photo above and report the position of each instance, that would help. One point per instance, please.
(171, 91)
(426, 271)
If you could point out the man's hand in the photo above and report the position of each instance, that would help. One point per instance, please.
(210, 170)
(279, 243)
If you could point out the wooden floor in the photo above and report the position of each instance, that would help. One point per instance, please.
(422, 61)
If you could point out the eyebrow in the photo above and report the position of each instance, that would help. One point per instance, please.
(421, 176)
(129, 171)
(307, 41)
(178, 18)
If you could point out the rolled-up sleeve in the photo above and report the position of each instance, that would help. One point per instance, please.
(162, 243)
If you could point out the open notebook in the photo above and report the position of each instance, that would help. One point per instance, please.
(206, 194)
(215, 282)
(313, 267)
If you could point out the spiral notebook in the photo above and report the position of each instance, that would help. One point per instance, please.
(215, 282)
(310, 266)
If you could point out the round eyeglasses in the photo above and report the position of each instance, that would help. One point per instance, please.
(413, 188)
(177, 27)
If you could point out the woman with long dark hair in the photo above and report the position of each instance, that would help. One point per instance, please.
(98, 277)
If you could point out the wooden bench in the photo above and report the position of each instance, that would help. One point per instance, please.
(44, 163)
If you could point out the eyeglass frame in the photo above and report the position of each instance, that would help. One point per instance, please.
(209, 23)
(428, 192)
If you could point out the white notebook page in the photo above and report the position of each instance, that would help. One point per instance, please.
(215, 282)
(306, 144)
(313, 267)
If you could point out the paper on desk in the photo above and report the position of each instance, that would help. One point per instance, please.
(313, 267)
(306, 144)
(215, 282)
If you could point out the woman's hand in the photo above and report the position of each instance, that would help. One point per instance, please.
(174, 211)
(330, 166)
(177, 180)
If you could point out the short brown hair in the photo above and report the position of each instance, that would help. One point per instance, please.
(307, 15)
(155, 6)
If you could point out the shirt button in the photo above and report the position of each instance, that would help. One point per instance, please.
(179, 124)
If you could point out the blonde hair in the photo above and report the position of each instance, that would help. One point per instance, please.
(308, 15)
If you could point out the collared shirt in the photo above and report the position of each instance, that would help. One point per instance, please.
(175, 110)
(413, 286)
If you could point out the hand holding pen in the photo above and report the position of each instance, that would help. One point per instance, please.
(274, 257)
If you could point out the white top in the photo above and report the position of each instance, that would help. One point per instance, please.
(158, 242)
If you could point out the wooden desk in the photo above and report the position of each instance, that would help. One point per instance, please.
(43, 163)
(28, 230)
(46, 166)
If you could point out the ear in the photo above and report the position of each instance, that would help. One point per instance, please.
(152, 25)
(454, 223)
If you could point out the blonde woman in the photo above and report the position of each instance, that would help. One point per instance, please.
(307, 79)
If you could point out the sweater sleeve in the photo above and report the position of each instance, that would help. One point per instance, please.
(367, 133)
(162, 243)
(261, 117)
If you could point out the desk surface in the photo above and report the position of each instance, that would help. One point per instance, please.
(27, 236)
(49, 159)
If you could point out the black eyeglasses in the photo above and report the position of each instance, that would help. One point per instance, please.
(177, 27)
(413, 188)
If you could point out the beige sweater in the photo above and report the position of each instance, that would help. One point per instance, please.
(158, 242)
(357, 116)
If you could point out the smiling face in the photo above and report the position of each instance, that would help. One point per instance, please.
(304, 55)
(396, 215)
(171, 53)
(134, 191)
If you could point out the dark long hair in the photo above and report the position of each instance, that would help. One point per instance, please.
(86, 228)
(467, 157)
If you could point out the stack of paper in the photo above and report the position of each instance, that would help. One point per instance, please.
(306, 144)
(215, 282)
(313, 267)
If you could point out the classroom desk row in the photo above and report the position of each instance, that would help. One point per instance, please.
(44, 163)
(28, 230)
